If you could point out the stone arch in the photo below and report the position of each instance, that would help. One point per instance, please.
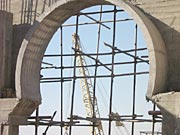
(37, 39)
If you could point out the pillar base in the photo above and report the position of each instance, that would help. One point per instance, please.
(169, 104)
(9, 129)
(6, 108)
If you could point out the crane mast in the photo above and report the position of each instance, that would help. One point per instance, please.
(87, 87)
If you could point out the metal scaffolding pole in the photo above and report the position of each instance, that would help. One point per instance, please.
(74, 80)
(153, 119)
(112, 70)
(62, 82)
(96, 69)
(134, 79)
(117, 51)
(98, 76)
(37, 121)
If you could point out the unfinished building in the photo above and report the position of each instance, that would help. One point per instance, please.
(26, 28)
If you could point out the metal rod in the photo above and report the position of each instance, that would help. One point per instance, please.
(35, 10)
(92, 23)
(94, 54)
(28, 11)
(128, 54)
(74, 79)
(39, 117)
(112, 71)
(150, 132)
(25, 10)
(98, 76)
(54, 81)
(83, 125)
(31, 10)
(60, 124)
(114, 119)
(37, 121)
(76, 117)
(93, 59)
(93, 65)
(97, 21)
(44, 5)
(2, 128)
(22, 11)
(153, 119)
(46, 63)
(134, 79)
(96, 69)
(53, 123)
(61, 45)
(100, 12)
(154, 112)
(49, 123)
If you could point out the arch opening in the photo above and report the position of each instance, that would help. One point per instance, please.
(34, 46)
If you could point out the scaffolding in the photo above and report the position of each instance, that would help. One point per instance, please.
(75, 120)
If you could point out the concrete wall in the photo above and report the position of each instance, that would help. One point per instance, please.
(10, 43)
(165, 14)
(19, 8)
(11, 112)
(5, 52)
(19, 33)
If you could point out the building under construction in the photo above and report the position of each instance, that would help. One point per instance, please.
(100, 67)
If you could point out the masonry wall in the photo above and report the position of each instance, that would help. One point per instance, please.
(165, 14)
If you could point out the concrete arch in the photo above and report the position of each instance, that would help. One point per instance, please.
(37, 39)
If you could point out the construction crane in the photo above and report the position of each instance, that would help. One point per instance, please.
(87, 87)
